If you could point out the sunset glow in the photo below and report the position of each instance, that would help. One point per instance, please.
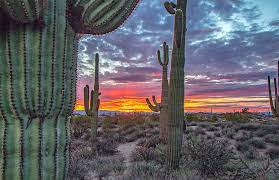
(227, 59)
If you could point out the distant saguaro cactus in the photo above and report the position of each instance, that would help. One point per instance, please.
(274, 105)
(92, 101)
(163, 106)
(38, 57)
(176, 86)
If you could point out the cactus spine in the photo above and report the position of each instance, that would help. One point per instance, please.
(38, 54)
(92, 101)
(274, 105)
(163, 106)
(176, 87)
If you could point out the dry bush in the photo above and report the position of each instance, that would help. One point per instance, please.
(79, 125)
(209, 156)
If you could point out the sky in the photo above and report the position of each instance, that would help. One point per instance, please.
(231, 48)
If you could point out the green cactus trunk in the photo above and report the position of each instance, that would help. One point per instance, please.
(163, 106)
(38, 54)
(37, 95)
(92, 102)
(176, 87)
(164, 95)
(274, 105)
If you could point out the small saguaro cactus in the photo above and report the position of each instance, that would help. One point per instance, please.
(38, 62)
(163, 106)
(176, 85)
(274, 105)
(92, 101)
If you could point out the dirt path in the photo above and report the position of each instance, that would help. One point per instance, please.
(126, 150)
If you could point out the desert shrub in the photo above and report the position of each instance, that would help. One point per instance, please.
(84, 164)
(107, 123)
(230, 135)
(261, 132)
(244, 137)
(213, 118)
(251, 153)
(218, 124)
(249, 127)
(200, 131)
(79, 125)
(152, 142)
(271, 128)
(143, 154)
(243, 146)
(237, 117)
(106, 165)
(212, 128)
(189, 130)
(257, 143)
(192, 117)
(134, 136)
(209, 156)
(273, 153)
(217, 134)
(106, 147)
(272, 138)
(209, 137)
(204, 125)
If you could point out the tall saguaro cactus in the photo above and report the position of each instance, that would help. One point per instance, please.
(176, 87)
(38, 54)
(92, 101)
(274, 105)
(163, 106)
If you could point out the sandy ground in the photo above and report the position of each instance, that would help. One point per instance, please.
(126, 150)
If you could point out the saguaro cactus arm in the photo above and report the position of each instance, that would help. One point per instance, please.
(23, 11)
(170, 7)
(100, 17)
(166, 55)
(155, 107)
(270, 96)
